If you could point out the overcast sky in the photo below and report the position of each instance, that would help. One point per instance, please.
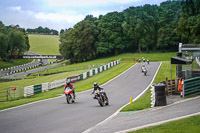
(60, 14)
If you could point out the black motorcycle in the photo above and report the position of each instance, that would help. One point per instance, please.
(101, 96)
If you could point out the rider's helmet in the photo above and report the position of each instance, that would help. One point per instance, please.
(143, 65)
(68, 82)
(96, 85)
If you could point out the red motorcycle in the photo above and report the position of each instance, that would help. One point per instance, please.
(69, 95)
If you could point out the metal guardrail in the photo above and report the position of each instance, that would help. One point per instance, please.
(191, 87)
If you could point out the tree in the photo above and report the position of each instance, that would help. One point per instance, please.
(3, 45)
(111, 38)
(16, 45)
(189, 24)
(62, 31)
(169, 12)
(78, 44)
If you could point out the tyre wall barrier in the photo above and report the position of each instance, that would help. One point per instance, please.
(191, 86)
(158, 95)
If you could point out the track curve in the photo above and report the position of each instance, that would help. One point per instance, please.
(56, 115)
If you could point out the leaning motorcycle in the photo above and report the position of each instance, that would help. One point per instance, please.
(69, 95)
(101, 97)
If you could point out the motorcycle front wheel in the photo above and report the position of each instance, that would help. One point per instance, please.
(100, 101)
(68, 98)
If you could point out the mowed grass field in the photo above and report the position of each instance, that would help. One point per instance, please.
(44, 44)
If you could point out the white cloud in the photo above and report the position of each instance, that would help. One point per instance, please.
(78, 3)
(56, 17)
(15, 8)
(97, 13)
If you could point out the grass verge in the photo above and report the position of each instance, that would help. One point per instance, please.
(186, 125)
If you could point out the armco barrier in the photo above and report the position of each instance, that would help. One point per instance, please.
(191, 86)
(35, 89)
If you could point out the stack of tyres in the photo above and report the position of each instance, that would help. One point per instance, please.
(160, 97)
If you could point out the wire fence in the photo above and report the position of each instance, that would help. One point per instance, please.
(11, 93)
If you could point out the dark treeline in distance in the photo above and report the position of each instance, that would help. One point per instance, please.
(13, 41)
(136, 29)
(41, 30)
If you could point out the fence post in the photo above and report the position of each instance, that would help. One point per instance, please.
(7, 94)
(183, 88)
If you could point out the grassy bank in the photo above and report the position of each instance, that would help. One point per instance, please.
(187, 125)
(44, 44)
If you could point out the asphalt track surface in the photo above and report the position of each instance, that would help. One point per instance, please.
(56, 116)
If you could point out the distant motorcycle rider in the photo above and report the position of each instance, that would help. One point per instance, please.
(71, 87)
(143, 68)
(97, 87)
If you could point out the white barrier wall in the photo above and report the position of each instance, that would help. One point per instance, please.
(56, 84)
(96, 70)
(100, 68)
(91, 73)
(105, 68)
(85, 75)
(28, 91)
(45, 87)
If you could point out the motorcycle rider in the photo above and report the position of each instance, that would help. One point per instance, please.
(148, 60)
(97, 87)
(143, 68)
(71, 87)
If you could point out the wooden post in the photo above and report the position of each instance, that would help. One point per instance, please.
(166, 86)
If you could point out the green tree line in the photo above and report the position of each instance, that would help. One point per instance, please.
(136, 29)
(41, 30)
(13, 41)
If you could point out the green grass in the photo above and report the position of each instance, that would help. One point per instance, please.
(144, 101)
(186, 125)
(44, 44)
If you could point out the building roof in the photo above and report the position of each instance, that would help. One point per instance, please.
(178, 60)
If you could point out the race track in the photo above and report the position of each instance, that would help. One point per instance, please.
(56, 116)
